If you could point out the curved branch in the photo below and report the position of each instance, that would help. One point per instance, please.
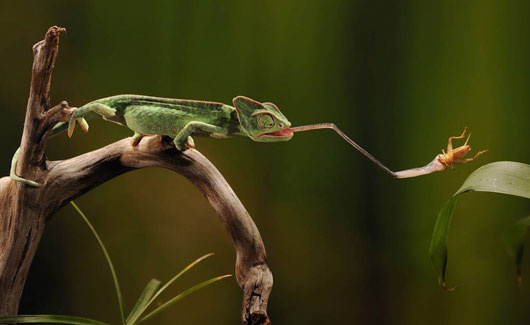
(68, 179)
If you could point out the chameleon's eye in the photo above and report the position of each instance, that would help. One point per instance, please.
(265, 121)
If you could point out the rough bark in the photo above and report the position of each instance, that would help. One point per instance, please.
(25, 210)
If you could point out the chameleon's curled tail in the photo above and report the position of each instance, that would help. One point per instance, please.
(13, 174)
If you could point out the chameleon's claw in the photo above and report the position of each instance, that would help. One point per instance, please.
(71, 128)
(184, 145)
(179, 146)
(135, 139)
(190, 144)
(82, 123)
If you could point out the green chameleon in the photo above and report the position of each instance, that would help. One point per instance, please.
(180, 118)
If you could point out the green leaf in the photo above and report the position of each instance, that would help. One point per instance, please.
(438, 248)
(143, 302)
(107, 257)
(182, 295)
(55, 319)
(159, 292)
(514, 239)
(505, 177)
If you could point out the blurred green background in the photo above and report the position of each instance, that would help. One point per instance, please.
(345, 242)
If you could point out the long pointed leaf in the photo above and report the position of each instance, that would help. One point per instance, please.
(182, 295)
(54, 319)
(107, 257)
(514, 239)
(178, 275)
(438, 248)
(505, 177)
(143, 301)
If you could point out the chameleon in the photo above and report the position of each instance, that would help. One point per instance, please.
(180, 118)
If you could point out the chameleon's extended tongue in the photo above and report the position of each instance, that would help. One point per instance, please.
(436, 165)
(345, 137)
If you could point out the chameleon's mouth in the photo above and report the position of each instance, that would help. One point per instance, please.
(281, 133)
(276, 136)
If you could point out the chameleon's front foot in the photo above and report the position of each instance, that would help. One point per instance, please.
(183, 145)
(82, 123)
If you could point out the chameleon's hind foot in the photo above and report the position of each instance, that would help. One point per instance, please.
(136, 138)
(190, 144)
(183, 145)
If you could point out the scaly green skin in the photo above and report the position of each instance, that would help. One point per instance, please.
(179, 119)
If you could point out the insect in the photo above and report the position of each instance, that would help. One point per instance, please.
(182, 118)
(456, 156)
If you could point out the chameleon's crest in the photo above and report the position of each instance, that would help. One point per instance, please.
(262, 122)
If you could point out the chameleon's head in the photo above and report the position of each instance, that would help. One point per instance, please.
(262, 122)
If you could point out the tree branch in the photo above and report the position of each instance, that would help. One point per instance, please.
(33, 143)
(25, 210)
(71, 178)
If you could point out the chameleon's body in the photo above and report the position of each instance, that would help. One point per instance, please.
(180, 118)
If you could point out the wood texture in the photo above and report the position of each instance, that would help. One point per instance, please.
(25, 210)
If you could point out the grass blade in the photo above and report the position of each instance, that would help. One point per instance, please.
(514, 239)
(186, 269)
(143, 301)
(54, 319)
(503, 177)
(182, 295)
(109, 261)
